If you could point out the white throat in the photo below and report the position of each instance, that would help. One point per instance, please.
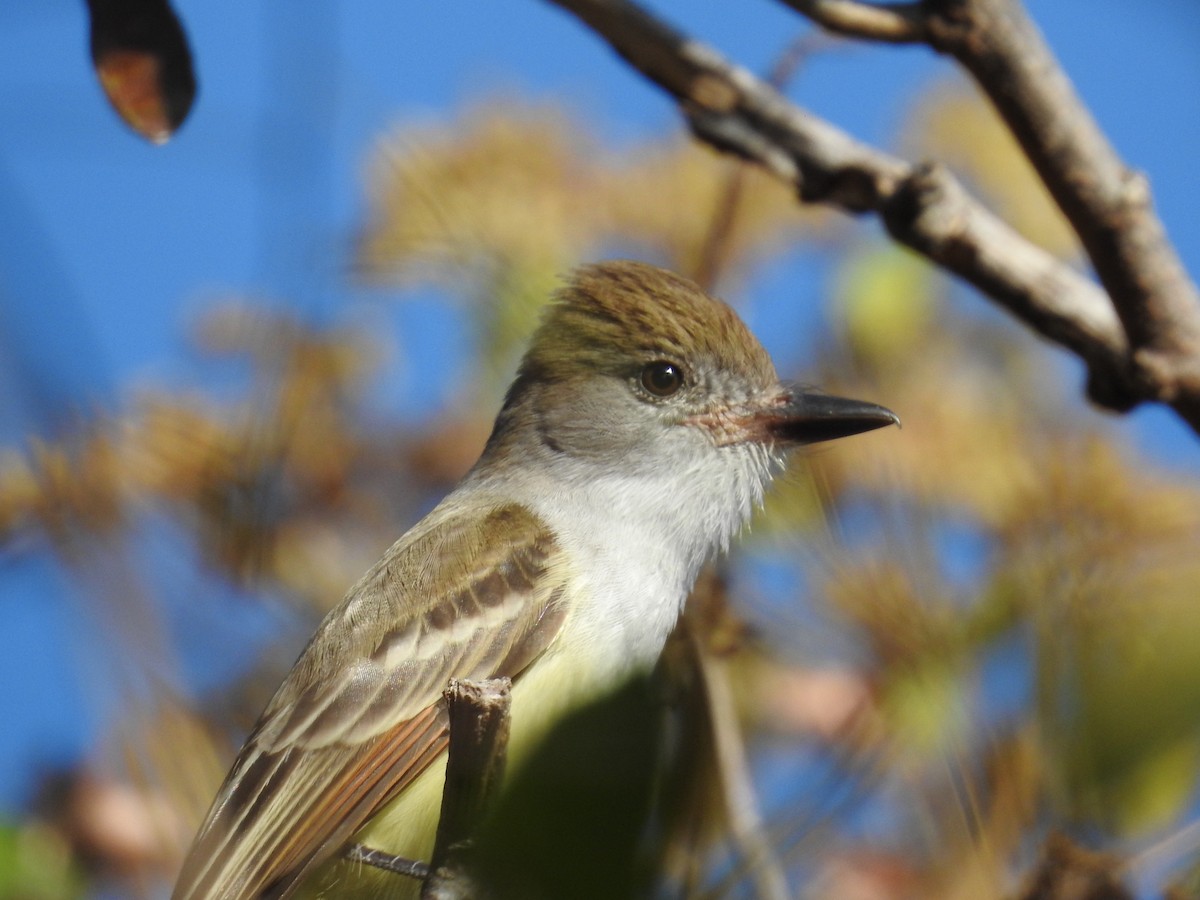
(637, 541)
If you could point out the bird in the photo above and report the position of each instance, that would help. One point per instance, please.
(643, 425)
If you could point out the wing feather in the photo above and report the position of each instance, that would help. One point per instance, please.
(466, 594)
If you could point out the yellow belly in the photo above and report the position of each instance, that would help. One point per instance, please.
(551, 688)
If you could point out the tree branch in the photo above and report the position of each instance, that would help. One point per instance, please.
(894, 23)
(1107, 204)
(933, 214)
(475, 763)
(925, 208)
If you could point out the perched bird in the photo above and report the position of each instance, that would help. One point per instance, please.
(641, 430)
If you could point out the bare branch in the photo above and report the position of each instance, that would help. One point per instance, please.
(925, 208)
(1108, 205)
(933, 214)
(476, 758)
(893, 23)
(475, 763)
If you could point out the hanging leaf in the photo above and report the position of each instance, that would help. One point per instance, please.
(143, 62)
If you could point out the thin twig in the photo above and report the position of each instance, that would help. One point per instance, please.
(387, 862)
(718, 239)
(741, 803)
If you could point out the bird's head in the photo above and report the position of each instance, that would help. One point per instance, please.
(636, 367)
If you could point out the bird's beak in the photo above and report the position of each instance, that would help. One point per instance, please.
(801, 417)
(795, 416)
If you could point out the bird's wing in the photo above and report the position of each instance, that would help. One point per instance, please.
(464, 595)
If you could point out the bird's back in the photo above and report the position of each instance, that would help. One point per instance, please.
(469, 593)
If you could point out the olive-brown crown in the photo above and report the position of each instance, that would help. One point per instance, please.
(614, 317)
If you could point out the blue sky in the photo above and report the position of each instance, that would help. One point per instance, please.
(109, 247)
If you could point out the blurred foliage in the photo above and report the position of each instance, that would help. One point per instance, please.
(497, 206)
(35, 863)
(993, 637)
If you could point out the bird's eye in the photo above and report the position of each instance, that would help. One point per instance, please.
(662, 378)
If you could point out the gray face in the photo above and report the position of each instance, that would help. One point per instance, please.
(626, 355)
(637, 414)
